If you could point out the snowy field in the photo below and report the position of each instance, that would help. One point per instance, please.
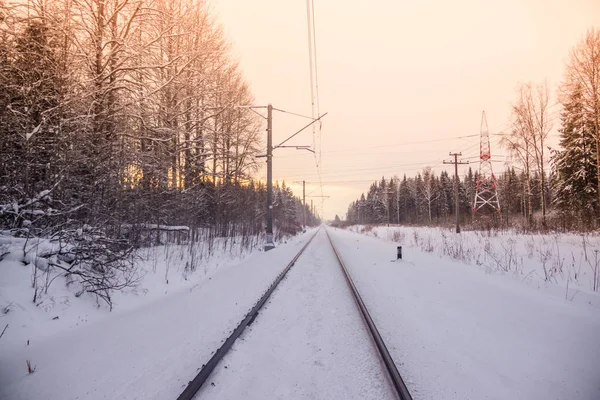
(566, 265)
(457, 332)
(62, 304)
(153, 341)
(457, 327)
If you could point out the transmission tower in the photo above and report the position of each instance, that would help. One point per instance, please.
(486, 195)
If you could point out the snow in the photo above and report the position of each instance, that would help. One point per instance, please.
(148, 348)
(160, 227)
(457, 332)
(308, 342)
(560, 264)
(468, 316)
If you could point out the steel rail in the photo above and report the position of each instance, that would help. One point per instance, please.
(195, 384)
(396, 380)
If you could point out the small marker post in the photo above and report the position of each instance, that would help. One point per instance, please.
(399, 253)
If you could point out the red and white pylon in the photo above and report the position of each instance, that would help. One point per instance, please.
(486, 195)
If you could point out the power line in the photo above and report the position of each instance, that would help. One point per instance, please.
(456, 184)
(292, 113)
(360, 149)
(372, 153)
(347, 172)
(404, 143)
(314, 86)
(316, 62)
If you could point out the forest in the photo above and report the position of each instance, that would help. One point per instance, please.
(124, 123)
(121, 113)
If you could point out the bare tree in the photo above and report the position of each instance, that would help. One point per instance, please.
(429, 194)
(527, 139)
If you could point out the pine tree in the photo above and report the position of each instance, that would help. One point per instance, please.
(574, 166)
(407, 205)
(446, 191)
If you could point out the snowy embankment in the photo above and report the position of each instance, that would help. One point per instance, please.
(566, 265)
(456, 332)
(152, 342)
(26, 271)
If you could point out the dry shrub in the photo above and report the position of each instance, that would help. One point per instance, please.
(368, 228)
(398, 236)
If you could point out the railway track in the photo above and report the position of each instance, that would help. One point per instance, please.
(391, 371)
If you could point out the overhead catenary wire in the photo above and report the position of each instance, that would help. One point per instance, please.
(359, 150)
(314, 87)
(316, 74)
(397, 170)
(354, 172)
(310, 64)
(316, 61)
(292, 113)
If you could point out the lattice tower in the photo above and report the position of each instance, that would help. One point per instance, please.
(486, 194)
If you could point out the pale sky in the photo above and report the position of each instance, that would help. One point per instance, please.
(401, 80)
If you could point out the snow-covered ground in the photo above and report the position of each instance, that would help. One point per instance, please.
(563, 264)
(148, 347)
(457, 327)
(163, 271)
(457, 332)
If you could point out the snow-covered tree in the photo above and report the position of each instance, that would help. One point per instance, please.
(583, 76)
(575, 164)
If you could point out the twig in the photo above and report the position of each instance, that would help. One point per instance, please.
(572, 297)
(526, 276)
(30, 369)
(1, 334)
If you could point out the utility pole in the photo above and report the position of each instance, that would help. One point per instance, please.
(457, 203)
(269, 239)
(304, 203)
(322, 197)
(269, 244)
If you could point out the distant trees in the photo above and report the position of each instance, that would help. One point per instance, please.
(428, 199)
(424, 199)
(337, 222)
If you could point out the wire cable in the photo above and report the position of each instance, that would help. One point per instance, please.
(314, 86)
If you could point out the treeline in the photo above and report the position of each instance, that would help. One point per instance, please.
(125, 112)
(533, 196)
(429, 199)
